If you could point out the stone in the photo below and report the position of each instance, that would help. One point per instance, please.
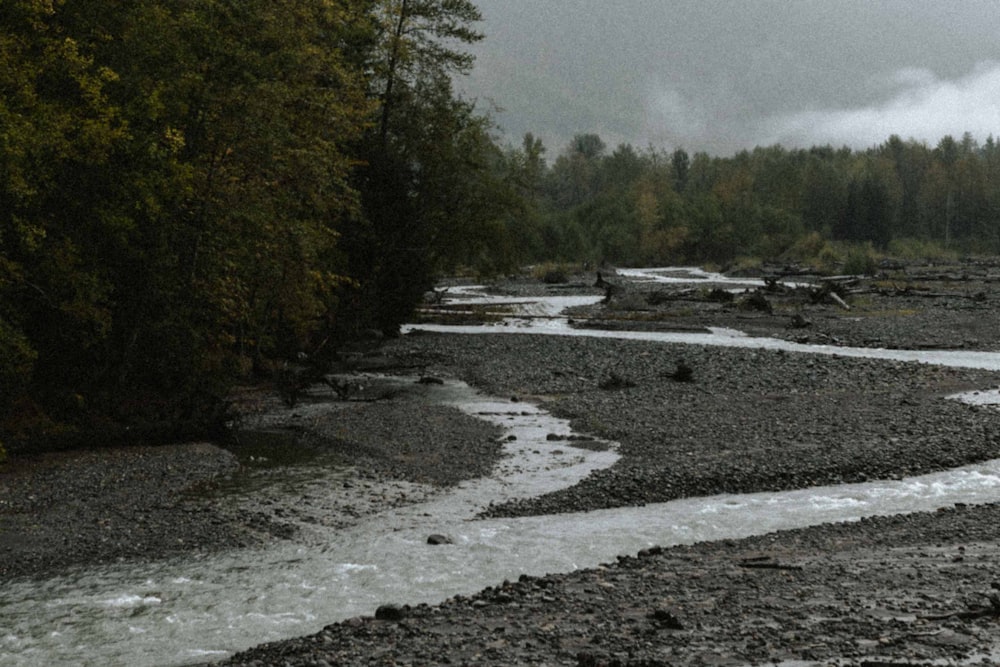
(390, 612)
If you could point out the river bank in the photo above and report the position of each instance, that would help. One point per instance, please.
(743, 420)
(83, 508)
(902, 590)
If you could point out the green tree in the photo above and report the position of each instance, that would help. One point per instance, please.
(575, 176)
(681, 164)
(824, 193)
(177, 175)
(60, 133)
(434, 191)
(872, 204)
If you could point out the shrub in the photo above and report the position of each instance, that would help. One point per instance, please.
(920, 249)
(810, 248)
(860, 260)
(555, 277)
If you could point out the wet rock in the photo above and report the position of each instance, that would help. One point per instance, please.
(391, 612)
(437, 539)
(797, 321)
(756, 301)
(666, 619)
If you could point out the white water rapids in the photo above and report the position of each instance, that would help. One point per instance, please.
(203, 608)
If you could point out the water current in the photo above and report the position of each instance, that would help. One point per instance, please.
(203, 608)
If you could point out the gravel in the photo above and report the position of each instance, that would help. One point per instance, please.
(902, 590)
(142, 503)
(749, 420)
(83, 507)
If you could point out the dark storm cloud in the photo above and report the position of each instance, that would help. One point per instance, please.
(722, 76)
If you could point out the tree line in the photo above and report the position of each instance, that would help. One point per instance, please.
(654, 207)
(194, 189)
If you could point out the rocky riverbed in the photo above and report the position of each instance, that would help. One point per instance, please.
(903, 590)
(98, 506)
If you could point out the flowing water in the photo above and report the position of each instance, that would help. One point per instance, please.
(202, 608)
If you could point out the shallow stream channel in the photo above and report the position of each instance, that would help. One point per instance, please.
(203, 608)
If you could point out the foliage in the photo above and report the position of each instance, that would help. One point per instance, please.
(860, 260)
(193, 190)
(917, 249)
(649, 207)
(181, 178)
(554, 272)
(435, 191)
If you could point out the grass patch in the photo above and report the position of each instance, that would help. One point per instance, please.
(918, 249)
(860, 260)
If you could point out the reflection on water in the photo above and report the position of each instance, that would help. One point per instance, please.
(201, 608)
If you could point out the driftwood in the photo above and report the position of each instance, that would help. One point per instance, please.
(720, 295)
(665, 296)
(615, 381)
(798, 322)
(833, 296)
(773, 283)
(435, 296)
(922, 292)
(830, 290)
(756, 301)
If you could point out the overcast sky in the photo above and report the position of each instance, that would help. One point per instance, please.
(724, 75)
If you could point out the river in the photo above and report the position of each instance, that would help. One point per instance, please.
(202, 608)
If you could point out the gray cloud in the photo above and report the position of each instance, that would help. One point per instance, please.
(723, 75)
(925, 107)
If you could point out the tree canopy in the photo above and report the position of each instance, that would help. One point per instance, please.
(651, 207)
(194, 188)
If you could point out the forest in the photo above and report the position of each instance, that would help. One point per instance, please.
(817, 205)
(196, 192)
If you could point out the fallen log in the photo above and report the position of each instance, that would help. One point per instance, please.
(833, 296)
